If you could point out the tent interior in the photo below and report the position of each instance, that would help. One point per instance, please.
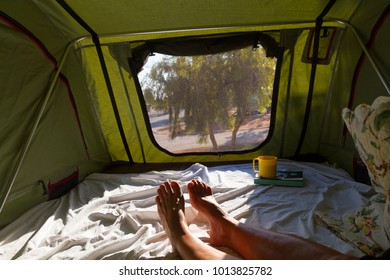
(133, 87)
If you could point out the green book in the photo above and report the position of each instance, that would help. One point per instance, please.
(291, 178)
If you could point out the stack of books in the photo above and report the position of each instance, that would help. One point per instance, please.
(289, 178)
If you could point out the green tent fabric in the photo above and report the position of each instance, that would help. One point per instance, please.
(55, 123)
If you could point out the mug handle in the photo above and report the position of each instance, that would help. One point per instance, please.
(254, 165)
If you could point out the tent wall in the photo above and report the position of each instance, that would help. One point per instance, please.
(78, 129)
(68, 137)
(336, 142)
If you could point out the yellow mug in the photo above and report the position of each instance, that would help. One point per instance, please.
(267, 166)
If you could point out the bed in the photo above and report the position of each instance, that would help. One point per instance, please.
(114, 216)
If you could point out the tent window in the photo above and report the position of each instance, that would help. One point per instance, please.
(209, 103)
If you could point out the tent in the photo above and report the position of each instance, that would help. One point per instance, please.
(71, 103)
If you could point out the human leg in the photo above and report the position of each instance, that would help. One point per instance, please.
(250, 242)
(170, 205)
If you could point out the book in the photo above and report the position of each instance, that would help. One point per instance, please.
(291, 178)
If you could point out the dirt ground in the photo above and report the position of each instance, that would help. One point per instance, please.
(251, 134)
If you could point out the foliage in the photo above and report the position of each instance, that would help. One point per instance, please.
(203, 94)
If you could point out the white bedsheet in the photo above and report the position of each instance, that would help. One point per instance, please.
(114, 216)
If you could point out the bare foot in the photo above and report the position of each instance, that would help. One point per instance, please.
(220, 222)
(170, 206)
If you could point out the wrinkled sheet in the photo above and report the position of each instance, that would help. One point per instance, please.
(115, 217)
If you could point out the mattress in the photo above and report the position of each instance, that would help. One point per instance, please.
(114, 216)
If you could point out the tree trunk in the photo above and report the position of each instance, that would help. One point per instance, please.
(237, 126)
(212, 136)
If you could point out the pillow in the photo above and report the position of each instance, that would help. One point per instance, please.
(363, 228)
(368, 228)
(370, 130)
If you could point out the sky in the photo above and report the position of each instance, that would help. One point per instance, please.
(151, 61)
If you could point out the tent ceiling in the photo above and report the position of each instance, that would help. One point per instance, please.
(123, 16)
(130, 17)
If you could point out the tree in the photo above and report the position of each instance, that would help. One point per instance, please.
(251, 79)
(211, 92)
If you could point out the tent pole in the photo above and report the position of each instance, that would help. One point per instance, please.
(27, 143)
(365, 50)
(103, 66)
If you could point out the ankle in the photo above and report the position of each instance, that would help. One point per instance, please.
(221, 230)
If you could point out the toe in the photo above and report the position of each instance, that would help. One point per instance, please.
(176, 189)
(162, 191)
(157, 200)
(169, 187)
